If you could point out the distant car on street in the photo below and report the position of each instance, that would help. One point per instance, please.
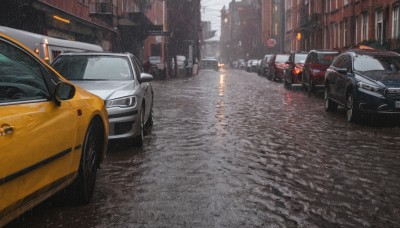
(277, 65)
(364, 80)
(118, 79)
(316, 63)
(294, 71)
(210, 63)
(265, 65)
(157, 68)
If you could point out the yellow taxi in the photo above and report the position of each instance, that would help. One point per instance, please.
(53, 135)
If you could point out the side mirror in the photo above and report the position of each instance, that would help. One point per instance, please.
(145, 77)
(342, 71)
(64, 91)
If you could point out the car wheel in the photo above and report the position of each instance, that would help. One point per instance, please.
(330, 106)
(273, 75)
(139, 139)
(351, 107)
(303, 84)
(149, 121)
(83, 186)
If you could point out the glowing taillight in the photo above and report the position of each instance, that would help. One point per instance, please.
(297, 70)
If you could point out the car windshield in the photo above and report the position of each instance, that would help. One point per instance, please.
(325, 58)
(155, 59)
(281, 58)
(376, 63)
(87, 67)
(300, 58)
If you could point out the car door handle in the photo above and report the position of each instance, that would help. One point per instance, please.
(6, 130)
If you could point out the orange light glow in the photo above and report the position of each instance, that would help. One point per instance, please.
(61, 19)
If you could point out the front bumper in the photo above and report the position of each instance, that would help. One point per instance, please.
(123, 122)
(377, 103)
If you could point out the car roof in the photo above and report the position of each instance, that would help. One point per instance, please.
(324, 51)
(95, 53)
(371, 52)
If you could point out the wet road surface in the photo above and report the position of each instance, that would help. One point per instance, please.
(232, 149)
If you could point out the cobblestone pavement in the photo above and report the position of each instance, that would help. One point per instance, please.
(232, 149)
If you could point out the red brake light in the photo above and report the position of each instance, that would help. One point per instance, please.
(297, 70)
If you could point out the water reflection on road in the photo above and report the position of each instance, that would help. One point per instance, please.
(232, 149)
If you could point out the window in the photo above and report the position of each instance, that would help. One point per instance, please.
(289, 21)
(364, 26)
(379, 26)
(340, 32)
(345, 33)
(395, 22)
(21, 78)
(356, 30)
(85, 2)
(327, 3)
(346, 2)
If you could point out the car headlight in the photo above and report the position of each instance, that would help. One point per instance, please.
(122, 102)
(370, 87)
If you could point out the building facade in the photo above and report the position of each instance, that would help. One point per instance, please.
(332, 24)
(241, 31)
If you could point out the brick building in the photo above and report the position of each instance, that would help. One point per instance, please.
(332, 24)
(241, 30)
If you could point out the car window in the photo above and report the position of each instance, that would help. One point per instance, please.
(375, 63)
(281, 58)
(347, 63)
(325, 58)
(338, 61)
(20, 76)
(93, 67)
(300, 58)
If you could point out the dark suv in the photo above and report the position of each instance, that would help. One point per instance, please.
(314, 68)
(294, 71)
(364, 80)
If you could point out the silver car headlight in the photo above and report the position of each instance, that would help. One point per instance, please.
(122, 102)
(370, 87)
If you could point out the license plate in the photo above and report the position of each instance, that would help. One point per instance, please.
(397, 104)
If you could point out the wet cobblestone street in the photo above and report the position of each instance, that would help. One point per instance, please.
(233, 149)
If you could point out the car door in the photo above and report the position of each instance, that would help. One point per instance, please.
(343, 78)
(36, 136)
(146, 87)
(307, 68)
(332, 76)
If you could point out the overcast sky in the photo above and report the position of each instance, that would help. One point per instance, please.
(211, 11)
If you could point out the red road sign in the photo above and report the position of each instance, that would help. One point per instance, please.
(271, 43)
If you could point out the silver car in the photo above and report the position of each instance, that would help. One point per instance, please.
(120, 81)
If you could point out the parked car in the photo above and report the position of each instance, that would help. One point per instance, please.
(364, 81)
(252, 65)
(242, 64)
(48, 48)
(314, 68)
(118, 79)
(157, 68)
(259, 70)
(294, 71)
(277, 65)
(53, 135)
(265, 65)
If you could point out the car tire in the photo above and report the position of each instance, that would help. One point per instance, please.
(273, 75)
(138, 140)
(82, 188)
(330, 106)
(351, 107)
(303, 84)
